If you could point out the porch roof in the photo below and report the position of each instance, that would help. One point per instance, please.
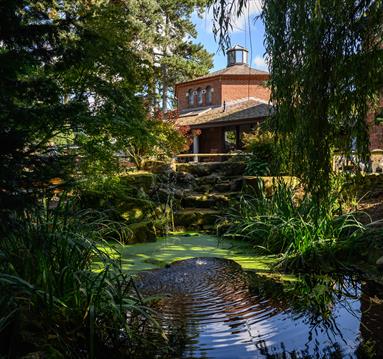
(235, 111)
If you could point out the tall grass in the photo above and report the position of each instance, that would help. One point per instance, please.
(305, 233)
(53, 303)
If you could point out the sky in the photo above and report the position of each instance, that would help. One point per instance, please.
(240, 35)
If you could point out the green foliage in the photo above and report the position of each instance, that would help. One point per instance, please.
(325, 62)
(304, 232)
(318, 53)
(67, 69)
(261, 146)
(54, 302)
(175, 57)
(161, 142)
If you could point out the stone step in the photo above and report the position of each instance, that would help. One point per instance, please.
(221, 184)
(227, 168)
(208, 200)
(196, 218)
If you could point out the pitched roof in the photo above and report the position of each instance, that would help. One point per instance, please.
(237, 47)
(239, 110)
(232, 70)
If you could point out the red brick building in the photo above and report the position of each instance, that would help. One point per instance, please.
(221, 106)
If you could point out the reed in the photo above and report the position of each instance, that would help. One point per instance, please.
(304, 232)
(54, 303)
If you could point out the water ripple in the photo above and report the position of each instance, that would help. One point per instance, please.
(209, 304)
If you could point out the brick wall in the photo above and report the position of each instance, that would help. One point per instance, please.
(182, 90)
(226, 88)
(238, 88)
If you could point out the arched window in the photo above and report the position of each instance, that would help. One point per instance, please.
(199, 97)
(209, 95)
(190, 97)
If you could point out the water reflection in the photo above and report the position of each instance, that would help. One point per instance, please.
(212, 309)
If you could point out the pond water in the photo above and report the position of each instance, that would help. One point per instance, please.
(211, 308)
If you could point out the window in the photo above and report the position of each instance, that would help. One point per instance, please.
(191, 97)
(199, 97)
(209, 95)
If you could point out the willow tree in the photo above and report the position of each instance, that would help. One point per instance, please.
(326, 65)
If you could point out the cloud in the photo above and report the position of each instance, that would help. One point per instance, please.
(260, 62)
(240, 24)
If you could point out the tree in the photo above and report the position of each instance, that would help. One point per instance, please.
(67, 69)
(326, 66)
(175, 57)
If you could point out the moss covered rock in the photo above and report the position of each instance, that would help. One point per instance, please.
(139, 180)
(155, 166)
(133, 215)
(142, 232)
(196, 218)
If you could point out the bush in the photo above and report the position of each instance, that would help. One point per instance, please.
(260, 144)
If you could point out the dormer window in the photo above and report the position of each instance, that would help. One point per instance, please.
(190, 97)
(199, 97)
(209, 95)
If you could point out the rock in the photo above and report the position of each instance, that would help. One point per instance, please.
(206, 188)
(211, 179)
(133, 215)
(195, 218)
(235, 168)
(185, 178)
(379, 263)
(210, 200)
(142, 232)
(228, 168)
(181, 193)
(163, 194)
(237, 184)
(157, 166)
(223, 187)
(144, 180)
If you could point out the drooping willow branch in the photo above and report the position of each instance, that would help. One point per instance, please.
(326, 66)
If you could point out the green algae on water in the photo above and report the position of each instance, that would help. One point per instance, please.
(144, 256)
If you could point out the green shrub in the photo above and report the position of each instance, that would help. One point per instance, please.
(261, 148)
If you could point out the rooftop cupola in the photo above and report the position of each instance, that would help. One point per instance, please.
(237, 55)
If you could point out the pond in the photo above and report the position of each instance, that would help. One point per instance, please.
(211, 308)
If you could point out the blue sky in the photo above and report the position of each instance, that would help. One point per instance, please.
(239, 35)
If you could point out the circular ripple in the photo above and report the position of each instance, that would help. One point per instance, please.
(208, 300)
